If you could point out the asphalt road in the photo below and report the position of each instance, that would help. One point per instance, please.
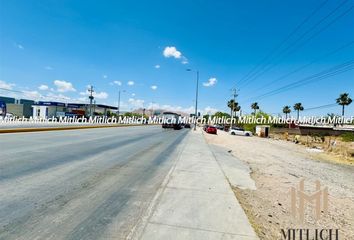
(81, 184)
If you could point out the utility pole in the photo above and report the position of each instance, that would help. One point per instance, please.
(118, 110)
(234, 95)
(196, 98)
(91, 99)
(196, 101)
(119, 92)
(152, 108)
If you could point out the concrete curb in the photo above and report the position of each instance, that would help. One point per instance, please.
(19, 130)
(138, 229)
(197, 202)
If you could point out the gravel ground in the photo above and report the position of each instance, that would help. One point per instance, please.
(276, 167)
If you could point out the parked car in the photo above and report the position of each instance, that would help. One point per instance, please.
(187, 125)
(211, 129)
(240, 131)
(7, 116)
(220, 127)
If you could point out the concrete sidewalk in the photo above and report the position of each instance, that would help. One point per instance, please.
(196, 201)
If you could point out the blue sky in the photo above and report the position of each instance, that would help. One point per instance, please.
(54, 49)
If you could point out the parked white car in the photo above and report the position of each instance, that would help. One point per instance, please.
(7, 116)
(240, 131)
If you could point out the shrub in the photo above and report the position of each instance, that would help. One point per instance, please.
(348, 137)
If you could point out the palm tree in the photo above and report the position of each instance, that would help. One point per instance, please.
(234, 107)
(286, 110)
(237, 108)
(255, 107)
(344, 100)
(231, 105)
(298, 107)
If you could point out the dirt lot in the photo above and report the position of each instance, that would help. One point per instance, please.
(277, 166)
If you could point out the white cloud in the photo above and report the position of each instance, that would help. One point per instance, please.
(32, 94)
(57, 97)
(5, 85)
(130, 83)
(43, 87)
(171, 108)
(187, 110)
(157, 66)
(211, 82)
(209, 110)
(98, 95)
(19, 46)
(48, 68)
(64, 86)
(119, 83)
(133, 94)
(82, 99)
(172, 52)
(184, 60)
(153, 87)
(137, 103)
(104, 76)
(181, 109)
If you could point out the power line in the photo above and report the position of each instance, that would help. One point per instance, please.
(290, 48)
(306, 65)
(24, 93)
(10, 90)
(330, 105)
(341, 68)
(274, 50)
(308, 80)
(319, 76)
(321, 107)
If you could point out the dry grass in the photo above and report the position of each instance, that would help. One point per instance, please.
(334, 149)
(279, 165)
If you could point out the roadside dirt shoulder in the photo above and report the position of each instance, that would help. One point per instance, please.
(276, 167)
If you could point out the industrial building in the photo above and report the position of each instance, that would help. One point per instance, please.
(17, 107)
(47, 109)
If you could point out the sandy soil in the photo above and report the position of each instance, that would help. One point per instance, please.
(276, 167)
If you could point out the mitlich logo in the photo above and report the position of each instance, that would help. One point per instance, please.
(299, 198)
(300, 201)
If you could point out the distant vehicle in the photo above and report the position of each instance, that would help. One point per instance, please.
(219, 127)
(7, 116)
(187, 125)
(240, 131)
(2, 109)
(171, 120)
(210, 129)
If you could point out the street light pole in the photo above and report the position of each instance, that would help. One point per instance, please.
(118, 110)
(119, 91)
(91, 97)
(196, 101)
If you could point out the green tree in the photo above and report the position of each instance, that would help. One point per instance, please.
(237, 108)
(206, 117)
(298, 107)
(255, 107)
(231, 105)
(221, 114)
(344, 100)
(286, 110)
